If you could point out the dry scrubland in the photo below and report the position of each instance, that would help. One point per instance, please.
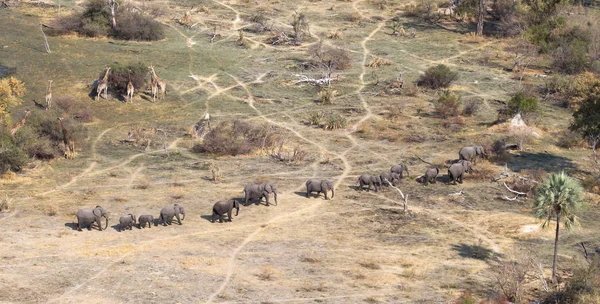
(358, 247)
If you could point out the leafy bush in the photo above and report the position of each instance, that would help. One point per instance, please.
(447, 104)
(315, 118)
(326, 95)
(119, 76)
(471, 108)
(11, 157)
(568, 139)
(519, 103)
(335, 121)
(238, 138)
(436, 77)
(136, 26)
(572, 57)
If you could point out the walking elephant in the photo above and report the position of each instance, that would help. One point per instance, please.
(222, 207)
(471, 153)
(457, 171)
(258, 191)
(167, 213)
(126, 221)
(369, 180)
(145, 219)
(319, 185)
(392, 177)
(87, 217)
(399, 169)
(430, 176)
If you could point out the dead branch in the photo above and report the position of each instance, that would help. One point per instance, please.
(404, 197)
(461, 192)
(321, 81)
(46, 45)
(510, 199)
(513, 191)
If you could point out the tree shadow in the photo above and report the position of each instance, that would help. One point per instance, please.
(545, 161)
(477, 252)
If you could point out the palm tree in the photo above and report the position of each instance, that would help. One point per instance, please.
(559, 196)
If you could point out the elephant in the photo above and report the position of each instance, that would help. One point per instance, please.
(258, 191)
(145, 219)
(168, 212)
(126, 221)
(471, 153)
(319, 185)
(369, 180)
(392, 177)
(222, 207)
(430, 175)
(86, 217)
(457, 170)
(400, 168)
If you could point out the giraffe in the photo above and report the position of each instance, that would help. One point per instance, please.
(130, 89)
(68, 141)
(49, 95)
(162, 85)
(154, 89)
(103, 85)
(19, 124)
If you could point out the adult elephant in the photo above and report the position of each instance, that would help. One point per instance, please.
(222, 207)
(392, 177)
(258, 191)
(471, 153)
(430, 176)
(168, 212)
(126, 221)
(399, 169)
(86, 217)
(457, 171)
(319, 185)
(369, 180)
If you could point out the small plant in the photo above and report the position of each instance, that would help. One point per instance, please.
(143, 183)
(267, 273)
(335, 121)
(378, 62)
(447, 104)
(397, 28)
(215, 172)
(409, 89)
(336, 35)
(316, 118)
(5, 203)
(439, 76)
(326, 95)
(301, 27)
(470, 108)
(52, 210)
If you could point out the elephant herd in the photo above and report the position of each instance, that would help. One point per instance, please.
(467, 158)
(87, 217)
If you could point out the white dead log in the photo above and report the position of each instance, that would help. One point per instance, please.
(513, 191)
(321, 81)
(404, 197)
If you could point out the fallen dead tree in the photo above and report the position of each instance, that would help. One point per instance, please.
(314, 81)
(404, 197)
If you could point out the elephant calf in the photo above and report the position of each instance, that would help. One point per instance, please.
(392, 177)
(145, 219)
(168, 212)
(126, 221)
(471, 153)
(369, 180)
(400, 168)
(430, 176)
(222, 207)
(457, 171)
(319, 185)
(258, 191)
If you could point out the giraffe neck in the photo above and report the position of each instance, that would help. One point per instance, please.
(49, 86)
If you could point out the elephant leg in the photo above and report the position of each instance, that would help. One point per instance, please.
(267, 199)
(325, 193)
(212, 218)
(229, 215)
(308, 192)
(78, 225)
(99, 224)
(220, 218)
(460, 178)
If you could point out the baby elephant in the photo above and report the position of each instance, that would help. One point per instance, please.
(126, 221)
(222, 207)
(145, 219)
(430, 175)
(319, 185)
(392, 177)
(369, 180)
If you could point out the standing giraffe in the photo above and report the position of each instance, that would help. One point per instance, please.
(103, 85)
(130, 88)
(19, 124)
(154, 89)
(68, 141)
(49, 95)
(162, 85)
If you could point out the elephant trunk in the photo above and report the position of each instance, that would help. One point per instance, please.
(275, 197)
(183, 217)
(105, 227)
(332, 192)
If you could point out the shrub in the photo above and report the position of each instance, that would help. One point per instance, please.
(11, 157)
(33, 145)
(447, 104)
(136, 26)
(568, 139)
(119, 76)
(315, 118)
(326, 95)
(519, 103)
(238, 138)
(5, 203)
(470, 108)
(572, 57)
(436, 77)
(378, 62)
(410, 89)
(335, 121)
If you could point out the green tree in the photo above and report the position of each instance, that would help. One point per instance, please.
(586, 120)
(558, 197)
(11, 91)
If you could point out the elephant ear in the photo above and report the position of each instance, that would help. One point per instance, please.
(97, 212)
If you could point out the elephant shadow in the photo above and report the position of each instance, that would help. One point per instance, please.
(116, 227)
(71, 225)
(251, 202)
(207, 217)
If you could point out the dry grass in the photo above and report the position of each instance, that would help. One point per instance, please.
(379, 62)
(267, 273)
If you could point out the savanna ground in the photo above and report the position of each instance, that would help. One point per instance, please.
(358, 247)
